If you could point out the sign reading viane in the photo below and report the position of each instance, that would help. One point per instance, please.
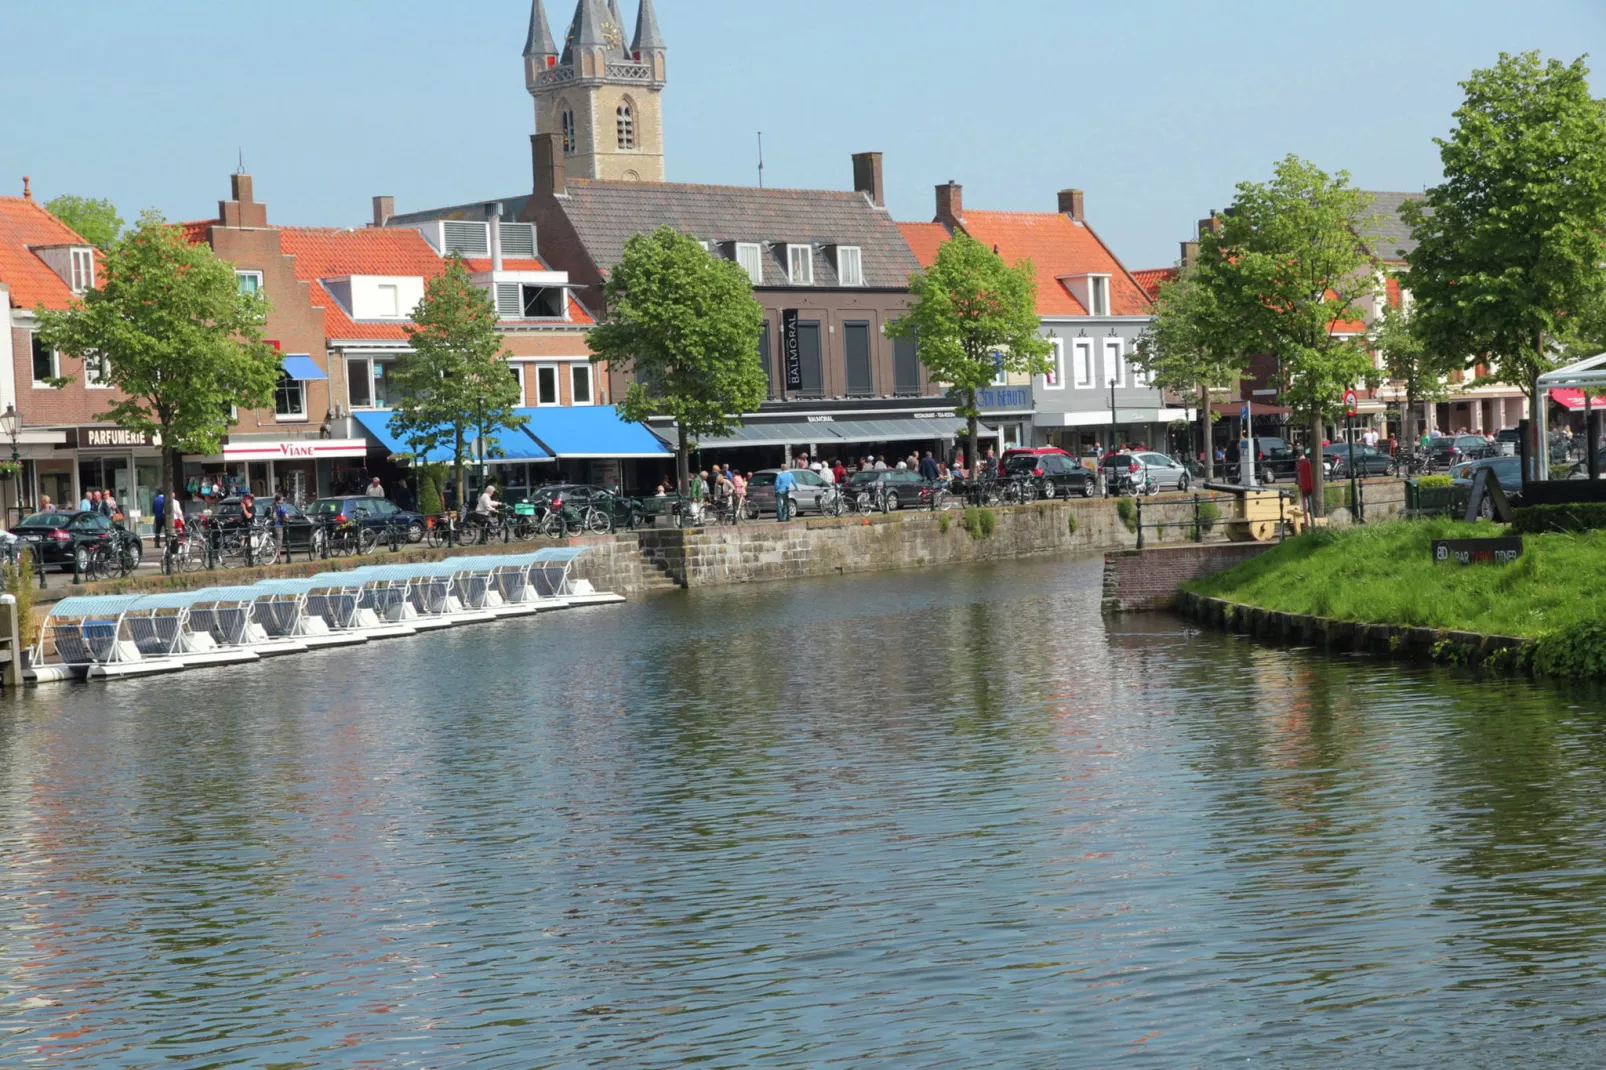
(789, 346)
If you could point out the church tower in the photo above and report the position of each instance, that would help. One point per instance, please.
(602, 97)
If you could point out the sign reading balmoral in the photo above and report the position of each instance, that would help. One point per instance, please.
(789, 346)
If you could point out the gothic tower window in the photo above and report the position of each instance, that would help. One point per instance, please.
(567, 120)
(627, 125)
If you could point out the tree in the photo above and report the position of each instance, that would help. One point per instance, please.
(1510, 244)
(456, 381)
(689, 325)
(1409, 360)
(97, 222)
(973, 315)
(173, 334)
(1289, 272)
(1189, 348)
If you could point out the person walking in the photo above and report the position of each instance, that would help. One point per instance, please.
(928, 467)
(375, 489)
(45, 505)
(281, 517)
(1306, 476)
(739, 492)
(839, 474)
(784, 485)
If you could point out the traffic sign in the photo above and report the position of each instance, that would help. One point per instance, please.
(1352, 403)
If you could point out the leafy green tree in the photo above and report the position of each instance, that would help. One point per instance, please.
(689, 325)
(456, 381)
(1290, 274)
(972, 315)
(171, 332)
(1409, 360)
(1191, 348)
(97, 222)
(1510, 244)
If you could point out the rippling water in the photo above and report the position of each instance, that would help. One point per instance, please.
(919, 819)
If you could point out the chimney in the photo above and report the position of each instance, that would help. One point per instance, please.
(1190, 254)
(951, 205)
(384, 208)
(867, 177)
(242, 210)
(1071, 204)
(27, 193)
(548, 154)
(493, 215)
(1213, 224)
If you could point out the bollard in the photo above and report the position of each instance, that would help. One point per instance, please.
(77, 573)
(1198, 525)
(392, 529)
(39, 563)
(1138, 500)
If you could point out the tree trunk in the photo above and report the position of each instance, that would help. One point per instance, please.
(682, 459)
(1207, 448)
(169, 485)
(1541, 461)
(1318, 497)
(457, 470)
(971, 431)
(1408, 435)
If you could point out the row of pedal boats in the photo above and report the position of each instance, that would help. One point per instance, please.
(113, 636)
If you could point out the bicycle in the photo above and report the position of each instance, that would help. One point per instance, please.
(111, 559)
(351, 539)
(830, 501)
(937, 499)
(256, 545)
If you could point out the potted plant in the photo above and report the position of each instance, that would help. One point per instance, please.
(10, 469)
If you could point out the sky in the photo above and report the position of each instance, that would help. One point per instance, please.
(1157, 110)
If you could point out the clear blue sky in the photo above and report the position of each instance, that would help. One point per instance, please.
(1155, 109)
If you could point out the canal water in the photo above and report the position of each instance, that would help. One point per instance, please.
(917, 819)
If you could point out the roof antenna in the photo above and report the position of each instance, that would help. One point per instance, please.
(241, 171)
(761, 159)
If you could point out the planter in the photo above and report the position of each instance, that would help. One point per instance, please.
(1436, 501)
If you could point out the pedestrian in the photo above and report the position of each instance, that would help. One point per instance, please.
(928, 467)
(881, 463)
(281, 518)
(45, 505)
(839, 474)
(159, 514)
(738, 491)
(784, 484)
(108, 504)
(1307, 485)
(89, 501)
(375, 489)
(403, 496)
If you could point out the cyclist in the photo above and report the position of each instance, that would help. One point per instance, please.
(486, 509)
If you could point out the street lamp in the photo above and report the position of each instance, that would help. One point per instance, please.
(11, 425)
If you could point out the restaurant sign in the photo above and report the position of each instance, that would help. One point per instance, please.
(1502, 551)
(793, 355)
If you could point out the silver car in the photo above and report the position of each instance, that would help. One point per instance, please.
(805, 496)
(1166, 473)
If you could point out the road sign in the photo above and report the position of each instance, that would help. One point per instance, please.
(1352, 403)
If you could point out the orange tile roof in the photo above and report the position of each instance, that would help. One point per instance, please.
(198, 231)
(924, 240)
(24, 223)
(1057, 247)
(1151, 279)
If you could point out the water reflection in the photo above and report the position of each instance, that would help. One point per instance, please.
(892, 820)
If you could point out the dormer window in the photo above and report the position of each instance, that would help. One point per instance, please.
(83, 270)
(800, 264)
(1099, 294)
(522, 301)
(750, 255)
(849, 265)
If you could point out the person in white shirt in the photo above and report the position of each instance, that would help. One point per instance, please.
(375, 489)
(488, 505)
(826, 473)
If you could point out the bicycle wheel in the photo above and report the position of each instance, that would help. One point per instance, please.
(190, 555)
(367, 541)
(553, 526)
(598, 523)
(946, 501)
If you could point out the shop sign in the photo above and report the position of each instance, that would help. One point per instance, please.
(102, 437)
(303, 449)
(1004, 398)
(1136, 416)
(789, 347)
(1478, 551)
(822, 419)
(949, 415)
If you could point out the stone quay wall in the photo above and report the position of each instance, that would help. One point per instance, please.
(1151, 579)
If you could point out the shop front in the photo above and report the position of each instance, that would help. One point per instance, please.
(104, 457)
(301, 468)
(1010, 409)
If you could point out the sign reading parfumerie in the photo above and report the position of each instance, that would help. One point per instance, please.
(1477, 551)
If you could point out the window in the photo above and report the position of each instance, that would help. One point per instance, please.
(764, 349)
(97, 372)
(290, 398)
(849, 265)
(1082, 359)
(1055, 379)
(546, 384)
(1000, 376)
(83, 270)
(580, 380)
(626, 121)
(1098, 286)
(368, 383)
(517, 371)
(800, 264)
(856, 343)
(545, 302)
(750, 255)
(1114, 363)
(905, 366)
(249, 282)
(388, 299)
(567, 122)
(45, 364)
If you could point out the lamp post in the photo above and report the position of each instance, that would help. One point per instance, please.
(11, 425)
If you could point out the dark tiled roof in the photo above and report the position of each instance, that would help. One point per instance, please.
(606, 214)
(1388, 237)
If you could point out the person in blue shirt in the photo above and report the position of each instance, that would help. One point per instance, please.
(785, 483)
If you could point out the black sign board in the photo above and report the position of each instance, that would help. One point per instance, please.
(789, 348)
(1477, 551)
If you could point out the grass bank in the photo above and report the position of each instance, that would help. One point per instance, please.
(1385, 574)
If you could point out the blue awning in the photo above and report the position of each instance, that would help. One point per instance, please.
(300, 366)
(377, 424)
(592, 432)
(508, 445)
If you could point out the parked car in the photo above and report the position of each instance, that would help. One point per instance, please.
(1507, 472)
(1340, 457)
(1055, 473)
(61, 539)
(1448, 451)
(624, 511)
(805, 496)
(1274, 459)
(902, 488)
(380, 514)
(1167, 474)
(302, 534)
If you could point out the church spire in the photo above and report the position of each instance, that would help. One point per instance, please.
(539, 44)
(647, 36)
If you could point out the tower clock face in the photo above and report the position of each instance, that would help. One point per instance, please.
(611, 34)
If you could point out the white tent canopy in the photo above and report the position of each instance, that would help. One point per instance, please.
(1586, 374)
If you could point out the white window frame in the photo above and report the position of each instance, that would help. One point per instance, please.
(591, 384)
(55, 364)
(241, 276)
(750, 255)
(849, 256)
(1055, 379)
(394, 304)
(557, 386)
(1000, 373)
(518, 374)
(807, 261)
(363, 374)
(1115, 366)
(291, 418)
(1082, 363)
(82, 263)
(97, 360)
(1094, 285)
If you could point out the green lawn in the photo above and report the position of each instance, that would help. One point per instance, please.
(1385, 574)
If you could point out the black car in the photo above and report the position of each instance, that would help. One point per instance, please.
(1274, 459)
(625, 512)
(1448, 450)
(902, 487)
(380, 514)
(302, 534)
(1055, 474)
(1340, 458)
(63, 540)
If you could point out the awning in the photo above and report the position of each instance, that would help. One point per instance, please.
(507, 445)
(840, 431)
(1573, 398)
(592, 432)
(377, 424)
(300, 366)
(510, 445)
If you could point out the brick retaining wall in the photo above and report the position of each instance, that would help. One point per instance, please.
(1150, 579)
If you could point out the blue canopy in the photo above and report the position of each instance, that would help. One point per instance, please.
(507, 444)
(592, 432)
(514, 445)
(303, 367)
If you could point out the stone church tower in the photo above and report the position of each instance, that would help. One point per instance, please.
(602, 98)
